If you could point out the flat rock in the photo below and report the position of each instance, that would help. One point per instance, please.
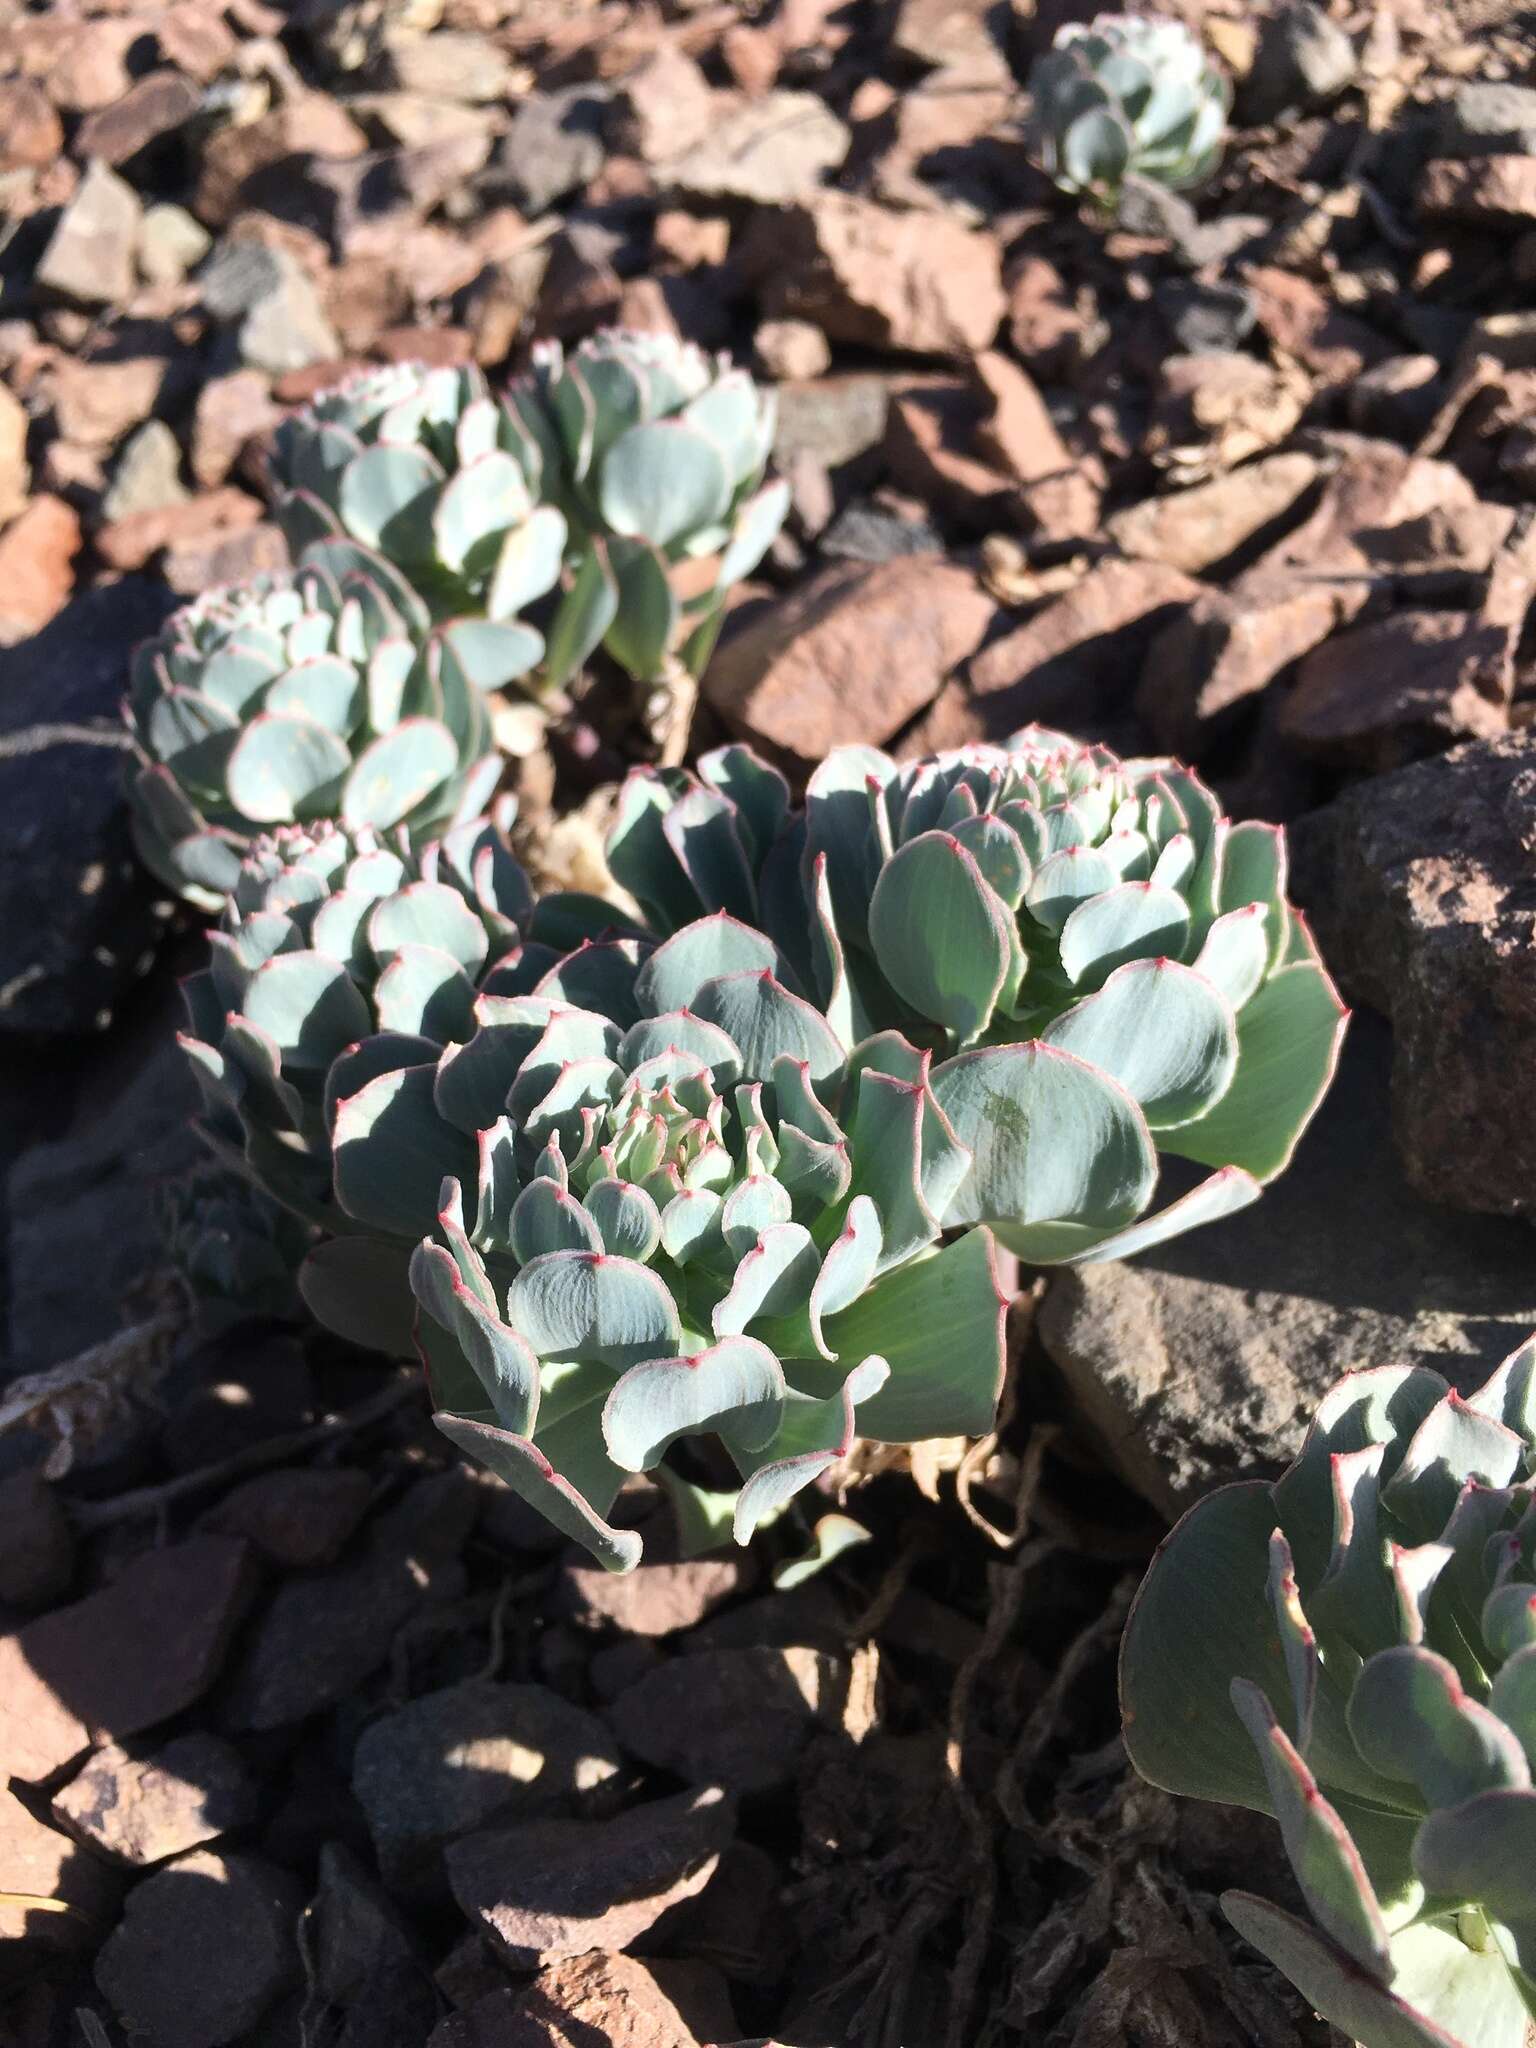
(37, 1862)
(1419, 886)
(737, 1718)
(770, 150)
(875, 278)
(67, 843)
(1487, 118)
(1493, 192)
(37, 1546)
(547, 1889)
(143, 1809)
(325, 1633)
(231, 412)
(124, 1658)
(298, 1517)
(1203, 1361)
(457, 1759)
(31, 133)
(1388, 692)
(235, 1915)
(89, 257)
(660, 1596)
(602, 2001)
(155, 105)
(1198, 528)
(852, 655)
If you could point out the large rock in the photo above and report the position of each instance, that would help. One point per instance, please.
(874, 278)
(90, 254)
(1203, 1360)
(853, 655)
(75, 921)
(142, 1810)
(552, 1888)
(1419, 886)
(1196, 529)
(366, 1968)
(1400, 687)
(737, 1718)
(602, 2001)
(770, 150)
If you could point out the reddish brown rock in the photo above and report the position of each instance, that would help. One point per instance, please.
(1385, 693)
(1195, 529)
(737, 1718)
(15, 477)
(141, 1810)
(37, 573)
(37, 1549)
(1305, 321)
(931, 436)
(663, 107)
(1497, 192)
(37, 1862)
(298, 1517)
(231, 412)
(31, 133)
(194, 38)
(1383, 507)
(308, 124)
(227, 556)
(95, 404)
(1214, 411)
(130, 542)
(1046, 322)
(1059, 500)
(852, 655)
(657, 1598)
(874, 278)
(153, 106)
(122, 1659)
(601, 2001)
(442, 347)
(90, 68)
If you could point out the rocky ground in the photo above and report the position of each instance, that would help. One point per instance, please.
(310, 1738)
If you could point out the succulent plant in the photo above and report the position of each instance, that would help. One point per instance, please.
(237, 1251)
(1353, 1651)
(656, 453)
(339, 948)
(1113, 964)
(293, 699)
(1126, 96)
(426, 468)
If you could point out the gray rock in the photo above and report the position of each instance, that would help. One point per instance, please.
(835, 419)
(205, 1946)
(1206, 319)
(148, 474)
(455, 1760)
(287, 328)
(865, 532)
(551, 1888)
(1203, 1361)
(770, 150)
(62, 759)
(1419, 888)
(324, 1634)
(1487, 119)
(89, 256)
(142, 1810)
(553, 146)
(237, 276)
(737, 1718)
(1303, 59)
(171, 243)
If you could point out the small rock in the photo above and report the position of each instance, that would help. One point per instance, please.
(602, 2001)
(770, 150)
(155, 105)
(662, 1595)
(372, 1989)
(1303, 59)
(89, 257)
(142, 1810)
(122, 1659)
(868, 532)
(244, 1385)
(194, 39)
(90, 70)
(1494, 192)
(325, 1633)
(37, 1548)
(1046, 319)
(546, 1889)
(235, 555)
(737, 1718)
(449, 64)
(664, 107)
(171, 244)
(1485, 118)
(875, 278)
(205, 519)
(1384, 508)
(299, 1517)
(1397, 398)
(834, 419)
(852, 655)
(1197, 529)
(487, 2023)
(307, 125)
(1419, 886)
(231, 412)
(953, 36)
(239, 274)
(791, 350)
(932, 438)
(37, 574)
(95, 404)
(234, 1914)
(148, 474)
(1304, 321)
(455, 1760)
(1206, 318)
(287, 329)
(15, 477)
(1384, 693)
(37, 1862)
(31, 133)
(553, 146)
(1203, 1361)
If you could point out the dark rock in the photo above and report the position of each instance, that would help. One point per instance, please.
(1303, 59)
(368, 1978)
(37, 1549)
(663, 1594)
(249, 1384)
(551, 1888)
(455, 1760)
(325, 1633)
(1390, 691)
(122, 1659)
(296, 1517)
(1420, 889)
(155, 105)
(1203, 1361)
(141, 1810)
(1397, 398)
(62, 759)
(1205, 319)
(204, 1948)
(737, 1718)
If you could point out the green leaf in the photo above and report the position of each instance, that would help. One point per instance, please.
(645, 623)
(765, 1021)
(1412, 1721)
(491, 653)
(529, 563)
(385, 498)
(832, 1535)
(487, 497)
(532, 1476)
(588, 1307)
(324, 688)
(361, 1289)
(1162, 1031)
(547, 1218)
(733, 1389)
(940, 934)
(582, 616)
(424, 992)
(1484, 1849)
(812, 1433)
(308, 1006)
(1228, 1190)
(719, 944)
(285, 768)
(662, 481)
(392, 1153)
(506, 1373)
(628, 1221)
(396, 772)
(1132, 921)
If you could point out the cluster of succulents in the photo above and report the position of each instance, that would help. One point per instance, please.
(1113, 965)
(1126, 96)
(288, 700)
(1353, 1651)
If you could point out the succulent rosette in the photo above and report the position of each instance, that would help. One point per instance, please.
(291, 699)
(1111, 966)
(656, 453)
(424, 467)
(1126, 95)
(1353, 1651)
